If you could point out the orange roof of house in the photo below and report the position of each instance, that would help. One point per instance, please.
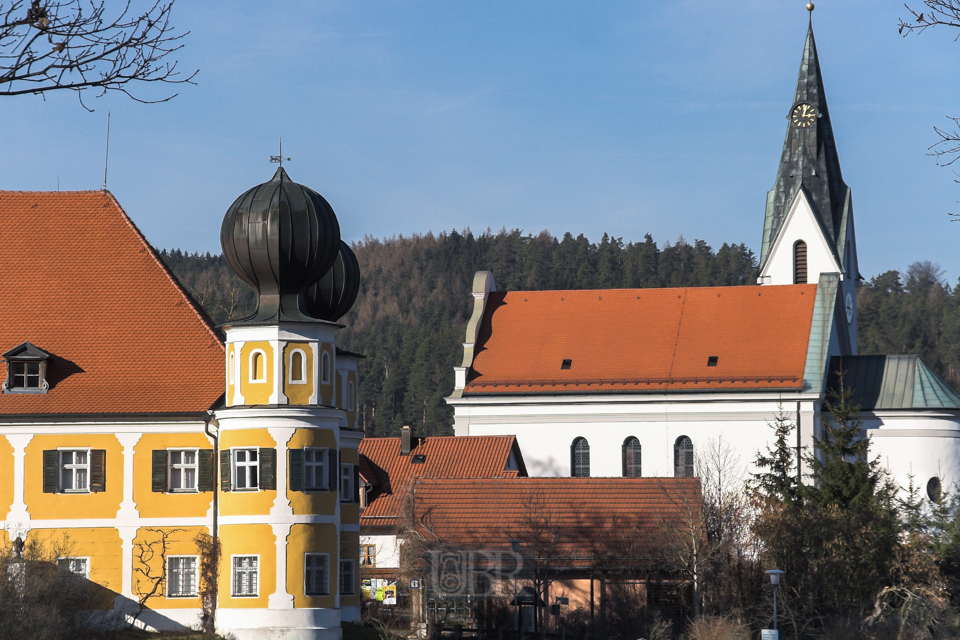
(643, 340)
(79, 281)
(382, 466)
(586, 518)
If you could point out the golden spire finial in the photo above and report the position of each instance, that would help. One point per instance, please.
(810, 7)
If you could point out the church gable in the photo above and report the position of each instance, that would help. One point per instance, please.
(801, 251)
(637, 340)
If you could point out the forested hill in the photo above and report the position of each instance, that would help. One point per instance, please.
(411, 315)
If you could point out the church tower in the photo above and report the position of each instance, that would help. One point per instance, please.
(808, 231)
(288, 500)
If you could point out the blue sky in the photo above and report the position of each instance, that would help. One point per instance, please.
(618, 117)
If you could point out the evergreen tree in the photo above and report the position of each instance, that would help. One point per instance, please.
(777, 479)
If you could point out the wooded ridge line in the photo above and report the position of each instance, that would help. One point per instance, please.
(414, 303)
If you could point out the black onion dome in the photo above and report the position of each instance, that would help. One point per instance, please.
(332, 296)
(280, 237)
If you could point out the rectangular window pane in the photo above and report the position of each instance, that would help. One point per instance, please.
(81, 479)
(175, 482)
(189, 478)
(245, 575)
(316, 569)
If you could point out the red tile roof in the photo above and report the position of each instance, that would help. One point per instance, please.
(590, 516)
(643, 340)
(382, 466)
(78, 280)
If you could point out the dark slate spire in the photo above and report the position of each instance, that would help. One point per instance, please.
(809, 162)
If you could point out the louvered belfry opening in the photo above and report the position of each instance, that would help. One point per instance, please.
(800, 262)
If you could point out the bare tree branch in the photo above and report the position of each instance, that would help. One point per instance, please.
(937, 13)
(46, 45)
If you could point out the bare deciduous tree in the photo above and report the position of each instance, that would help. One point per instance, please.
(150, 565)
(46, 45)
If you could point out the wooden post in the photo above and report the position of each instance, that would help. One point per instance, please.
(591, 597)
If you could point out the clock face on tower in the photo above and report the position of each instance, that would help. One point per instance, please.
(803, 115)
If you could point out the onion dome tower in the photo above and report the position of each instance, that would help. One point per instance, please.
(288, 440)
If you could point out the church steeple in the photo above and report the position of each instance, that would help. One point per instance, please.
(810, 163)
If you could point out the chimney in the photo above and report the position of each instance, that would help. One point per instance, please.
(405, 438)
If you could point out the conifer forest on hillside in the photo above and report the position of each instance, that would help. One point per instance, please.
(414, 303)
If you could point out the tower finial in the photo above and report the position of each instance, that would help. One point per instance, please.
(810, 7)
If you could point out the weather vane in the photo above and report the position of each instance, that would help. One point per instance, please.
(279, 159)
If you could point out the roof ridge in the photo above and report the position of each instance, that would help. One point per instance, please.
(201, 316)
(91, 191)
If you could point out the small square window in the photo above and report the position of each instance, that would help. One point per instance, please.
(183, 470)
(246, 469)
(181, 576)
(75, 566)
(314, 469)
(712, 361)
(246, 574)
(75, 471)
(368, 555)
(566, 364)
(316, 574)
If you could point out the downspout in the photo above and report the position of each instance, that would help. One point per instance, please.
(211, 420)
(799, 449)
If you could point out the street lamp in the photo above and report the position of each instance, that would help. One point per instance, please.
(515, 545)
(775, 581)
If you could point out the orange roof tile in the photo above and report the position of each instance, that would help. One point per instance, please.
(79, 281)
(643, 340)
(591, 515)
(382, 466)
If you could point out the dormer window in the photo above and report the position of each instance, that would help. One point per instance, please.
(26, 369)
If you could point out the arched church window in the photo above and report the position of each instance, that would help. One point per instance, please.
(683, 458)
(800, 262)
(325, 368)
(258, 367)
(580, 458)
(297, 370)
(934, 489)
(631, 458)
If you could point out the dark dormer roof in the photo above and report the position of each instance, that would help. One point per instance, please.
(809, 162)
(26, 351)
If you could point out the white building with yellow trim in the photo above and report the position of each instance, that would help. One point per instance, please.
(129, 425)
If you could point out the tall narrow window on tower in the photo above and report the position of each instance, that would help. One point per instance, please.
(800, 262)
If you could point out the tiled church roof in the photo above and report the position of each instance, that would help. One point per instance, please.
(79, 281)
(643, 340)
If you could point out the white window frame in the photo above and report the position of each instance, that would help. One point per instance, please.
(246, 464)
(233, 575)
(325, 368)
(69, 569)
(306, 574)
(182, 466)
(61, 467)
(353, 575)
(253, 370)
(196, 577)
(303, 367)
(231, 367)
(324, 465)
(348, 476)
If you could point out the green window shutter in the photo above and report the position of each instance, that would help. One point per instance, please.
(159, 473)
(206, 470)
(98, 470)
(356, 483)
(225, 470)
(334, 476)
(295, 469)
(51, 469)
(268, 469)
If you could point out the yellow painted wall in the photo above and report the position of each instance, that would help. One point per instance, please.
(311, 538)
(147, 547)
(256, 392)
(315, 502)
(101, 545)
(6, 477)
(327, 390)
(167, 505)
(350, 550)
(245, 503)
(352, 414)
(298, 393)
(248, 539)
(46, 506)
(231, 387)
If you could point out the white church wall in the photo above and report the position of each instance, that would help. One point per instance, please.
(800, 224)
(924, 445)
(545, 432)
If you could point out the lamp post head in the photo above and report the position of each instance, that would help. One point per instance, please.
(774, 576)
